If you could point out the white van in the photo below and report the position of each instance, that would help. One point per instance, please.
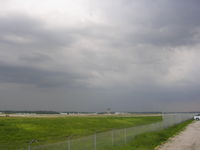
(197, 117)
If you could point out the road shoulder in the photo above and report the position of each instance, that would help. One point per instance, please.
(186, 140)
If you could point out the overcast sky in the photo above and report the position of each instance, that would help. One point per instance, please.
(90, 55)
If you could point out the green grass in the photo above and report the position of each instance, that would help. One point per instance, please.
(15, 132)
(150, 140)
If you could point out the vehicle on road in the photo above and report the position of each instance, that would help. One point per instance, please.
(197, 117)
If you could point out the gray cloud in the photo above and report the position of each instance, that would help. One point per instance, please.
(128, 55)
(37, 77)
(29, 33)
(160, 23)
(36, 58)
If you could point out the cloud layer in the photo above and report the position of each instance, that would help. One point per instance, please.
(89, 55)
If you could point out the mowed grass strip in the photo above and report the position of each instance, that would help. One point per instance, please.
(15, 132)
(151, 140)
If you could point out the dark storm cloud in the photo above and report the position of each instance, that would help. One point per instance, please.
(35, 58)
(159, 23)
(36, 77)
(29, 33)
(139, 55)
(174, 36)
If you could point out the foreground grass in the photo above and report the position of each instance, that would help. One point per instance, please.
(15, 132)
(150, 140)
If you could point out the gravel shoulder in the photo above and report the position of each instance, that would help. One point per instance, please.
(189, 139)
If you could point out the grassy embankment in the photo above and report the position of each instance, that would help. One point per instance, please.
(151, 140)
(15, 132)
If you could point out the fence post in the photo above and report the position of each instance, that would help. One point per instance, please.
(69, 144)
(112, 137)
(95, 141)
(125, 135)
(31, 142)
(29, 146)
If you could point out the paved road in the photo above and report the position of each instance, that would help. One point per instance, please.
(189, 139)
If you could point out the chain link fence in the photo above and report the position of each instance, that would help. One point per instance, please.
(118, 137)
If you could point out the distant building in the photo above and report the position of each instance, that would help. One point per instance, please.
(63, 113)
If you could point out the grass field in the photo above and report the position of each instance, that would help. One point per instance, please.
(15, 132)
(151, 140)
